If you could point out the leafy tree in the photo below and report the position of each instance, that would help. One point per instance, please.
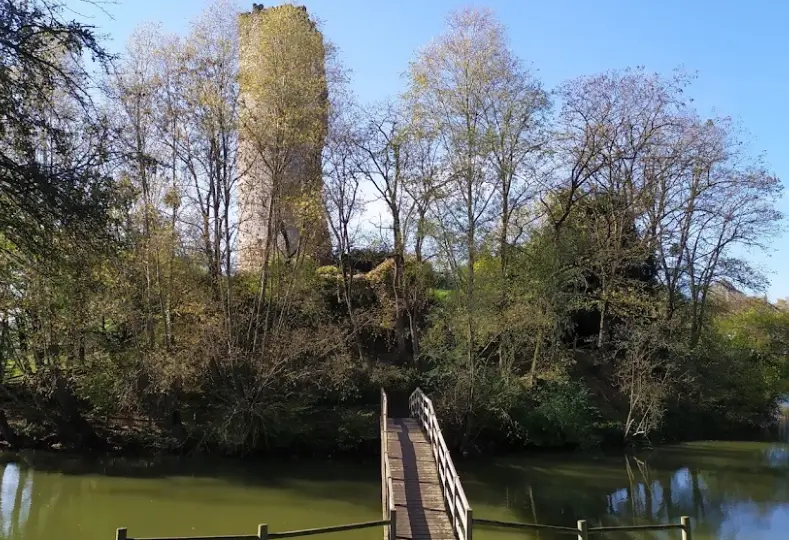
(53, 141)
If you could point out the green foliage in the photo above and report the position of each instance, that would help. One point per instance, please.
(560, 414)
(744, 365)
(761, 332)
(328, 272)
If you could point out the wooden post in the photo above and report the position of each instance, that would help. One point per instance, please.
(384, 447)
(453, 503)
(120, 534)
(583, 530)
(382, 473)
(392, 524)
(384, 412)
(686, 533)
(469, 521)
(263, 531)
(453, 512)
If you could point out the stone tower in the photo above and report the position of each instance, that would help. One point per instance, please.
(280, 203)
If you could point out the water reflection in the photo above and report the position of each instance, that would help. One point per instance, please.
(783, 422)
(731, 490)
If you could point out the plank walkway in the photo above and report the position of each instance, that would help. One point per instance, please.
(421, 514)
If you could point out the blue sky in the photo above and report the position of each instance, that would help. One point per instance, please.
(740, 50)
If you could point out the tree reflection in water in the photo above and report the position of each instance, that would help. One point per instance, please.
(16, 488)
(730, 489)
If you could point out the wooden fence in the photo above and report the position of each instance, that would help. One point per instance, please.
(264, 534)
(584, 532)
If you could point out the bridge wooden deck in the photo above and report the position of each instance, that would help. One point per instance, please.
(418, 496)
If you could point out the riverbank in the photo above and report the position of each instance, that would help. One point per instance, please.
(349, 432)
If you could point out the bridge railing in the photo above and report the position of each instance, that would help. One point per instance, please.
(455, 500)
(387, 493)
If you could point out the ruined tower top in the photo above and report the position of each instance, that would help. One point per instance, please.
(259, 9)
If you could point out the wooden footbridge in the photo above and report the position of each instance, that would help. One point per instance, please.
(421, 494)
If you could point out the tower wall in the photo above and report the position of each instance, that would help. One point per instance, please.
(277, 195)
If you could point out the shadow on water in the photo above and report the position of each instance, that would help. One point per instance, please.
(321, 477)
(63, 496)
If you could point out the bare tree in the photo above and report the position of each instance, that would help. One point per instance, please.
(453, 86)
(718, 201)
(452, 82)
(342, 195)
(425, 185)
(647, 371)
(516, 121)
(385, 149)
(200, 125)
(667, 184)
(133, 90)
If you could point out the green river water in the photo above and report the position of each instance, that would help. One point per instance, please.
(731, 490)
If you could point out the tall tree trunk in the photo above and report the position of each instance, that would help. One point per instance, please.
(399, 271)
(536, 355)
(503, 253)
(601, 333)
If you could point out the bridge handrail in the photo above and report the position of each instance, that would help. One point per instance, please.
(387, 492)
(263, 532)
(582, 531)
(455, 500)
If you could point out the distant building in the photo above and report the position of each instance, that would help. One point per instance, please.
(302, 176)
(727, 294)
